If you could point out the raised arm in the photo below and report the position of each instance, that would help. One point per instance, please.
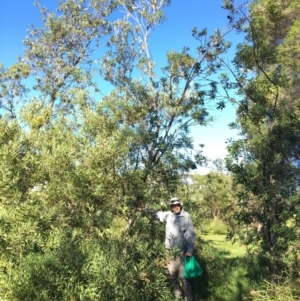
(160, 215)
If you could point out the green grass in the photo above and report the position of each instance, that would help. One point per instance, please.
(231, 274)
(225, 276)
(227, 248)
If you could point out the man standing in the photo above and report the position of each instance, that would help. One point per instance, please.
(179, 241)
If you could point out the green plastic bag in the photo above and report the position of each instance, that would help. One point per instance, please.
(192, 268)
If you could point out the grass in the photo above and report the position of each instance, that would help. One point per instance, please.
(231, 274)
(225, 276)
(227, 248)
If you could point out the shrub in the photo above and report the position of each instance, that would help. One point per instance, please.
(215, 226)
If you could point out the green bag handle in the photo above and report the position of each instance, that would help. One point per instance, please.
(192, 267)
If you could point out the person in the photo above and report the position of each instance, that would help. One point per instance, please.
(179, 242)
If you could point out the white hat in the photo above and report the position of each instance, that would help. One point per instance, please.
(174, 201)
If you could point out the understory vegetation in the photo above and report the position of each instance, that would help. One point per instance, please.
(78, 165)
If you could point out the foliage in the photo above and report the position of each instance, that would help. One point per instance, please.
(282, 289)
(265, 160)
(56, 241)
(77, 163)
(212, 201)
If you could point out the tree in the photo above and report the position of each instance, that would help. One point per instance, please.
(77, 165)
(269, 120)
(160, 106)
(212, 196)
(58, 58)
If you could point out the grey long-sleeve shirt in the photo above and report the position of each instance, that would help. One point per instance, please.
(180, 232)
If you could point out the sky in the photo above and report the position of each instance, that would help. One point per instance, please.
(182, 16)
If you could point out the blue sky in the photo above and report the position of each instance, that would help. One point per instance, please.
(182, 16)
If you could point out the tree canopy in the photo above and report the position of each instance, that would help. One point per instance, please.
(269, 121)
(77, 164)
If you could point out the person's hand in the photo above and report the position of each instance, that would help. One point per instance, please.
(188, 254)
